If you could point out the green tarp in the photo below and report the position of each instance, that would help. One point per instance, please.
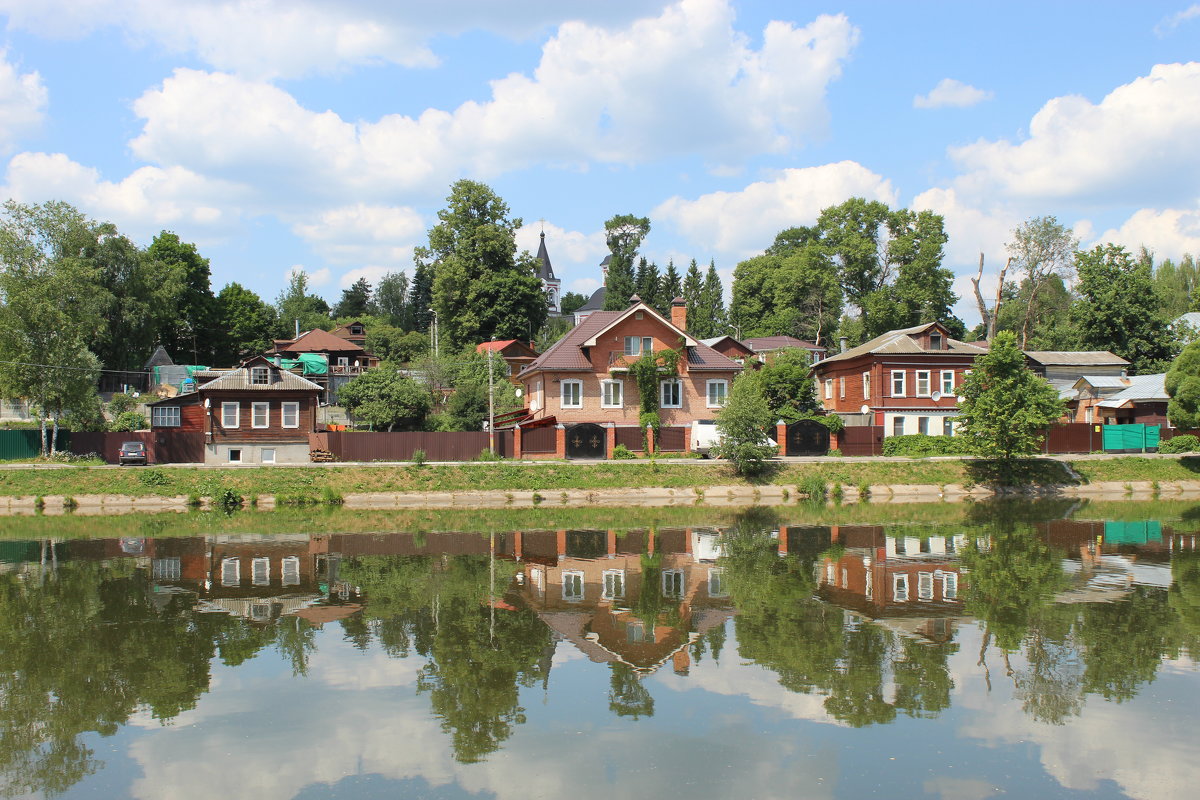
(309, 363)
(1130, 437)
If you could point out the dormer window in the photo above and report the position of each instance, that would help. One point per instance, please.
(260, 376)
(356, 330)
(935, 341)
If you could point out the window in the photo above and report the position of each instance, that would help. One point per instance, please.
(845, 578)
(290, 413)
(165, 416)
(260, 415)
(829, 388)
(635, 632)
(672, 583)
(670, 393)
(900, 588)
(830, 573)
(935, 341)
(636, 345)
(268, 455)
(923, 425)
(947, 382)
(866, 386)
(231, 572)
(573, 586)
(343, 361)
(572, 394)
(897, 383)
(260, 376)
(356, 330)
(897, 426)
(717, 392)
(947, 426)
(842, 388)
(923, 383)
(260, 569)
(949, 585)
(716, 583)
(235, 455)
(869, 586)
(165, 569)
(290, 567)
(612, 394)
(614, 584)
(925, 586)
(230, 415)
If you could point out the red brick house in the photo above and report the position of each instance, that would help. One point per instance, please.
(516, 356)
(905, 380)
(732, 348)
(255, 414)
(583, 377)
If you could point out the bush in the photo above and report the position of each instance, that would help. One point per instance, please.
(418, 458)
(488, 455)
(129, 421)
(621, 451)
(1183, 443)
(920, 444)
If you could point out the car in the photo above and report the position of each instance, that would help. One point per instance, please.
(705, 437)
(132, 453)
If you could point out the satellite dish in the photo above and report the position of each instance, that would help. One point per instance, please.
(936, 396)
(866, 409)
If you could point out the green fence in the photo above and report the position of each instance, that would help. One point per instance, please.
(1130, 438)
(1136, 533)
(27, 443)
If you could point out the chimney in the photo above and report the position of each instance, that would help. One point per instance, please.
(843, 344)
(679, 313)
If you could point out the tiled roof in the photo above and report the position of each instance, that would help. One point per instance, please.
(703, 358)
(239, 380)
(901, 341)
(319, 341)
(760, 344)
(1082, 358)
(500, 345)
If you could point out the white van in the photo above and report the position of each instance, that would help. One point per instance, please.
(705, 437)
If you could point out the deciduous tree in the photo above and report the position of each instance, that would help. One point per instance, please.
(623, 234)
(744, 424)
(385, 400)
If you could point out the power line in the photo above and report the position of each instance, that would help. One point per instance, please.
(81, 369)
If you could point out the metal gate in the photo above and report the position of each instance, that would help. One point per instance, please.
(807, 438)
(586, 440)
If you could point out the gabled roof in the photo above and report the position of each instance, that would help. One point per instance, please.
(159, 358)
(760, 344)
(344, 330)
(1076, 358)
(1102, 382)
(901, 342)
(629, 312)
(318, 341)
(507, 344)
(239, 380)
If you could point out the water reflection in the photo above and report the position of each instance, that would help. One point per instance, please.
(867, 620)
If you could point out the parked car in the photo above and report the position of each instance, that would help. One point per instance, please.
(705, 437)
(132, 453)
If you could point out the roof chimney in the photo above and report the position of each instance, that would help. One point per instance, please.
(843, 344)
(679, 313)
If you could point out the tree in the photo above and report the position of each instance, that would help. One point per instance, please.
(246, 325)
(1183, 387)
(790, 290)
(647, 283)
(297, 308)
(623, 234)
(481, 286)
(1041, 248)
(420, 299)
(744, 423)
(193, 326)
(391, 300)
(670, 287)
(1118, 310)
(1046, 313)
(787, 385)
(1176, 285)
(395, 345)
(693, 293)
(355, 302)
(1004, 407)
(384, 399)
(572, 301)
(712, 306)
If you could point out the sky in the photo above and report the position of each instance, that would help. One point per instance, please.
(324, 135)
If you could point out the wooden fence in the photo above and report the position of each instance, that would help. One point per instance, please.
(542, 439)
(861, 440)
(631, 437)
(162, 447)
(438, 445)
(672, 440)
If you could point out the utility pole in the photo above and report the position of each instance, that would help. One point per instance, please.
(491, 399)
(435, 332)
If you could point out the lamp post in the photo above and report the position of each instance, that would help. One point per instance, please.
(491, 399)
(435, 332)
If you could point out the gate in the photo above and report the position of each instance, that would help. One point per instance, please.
(806, 438)
(586, 440)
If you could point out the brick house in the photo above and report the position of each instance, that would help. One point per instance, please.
(583, 377)
(905, 380)
(255, 414)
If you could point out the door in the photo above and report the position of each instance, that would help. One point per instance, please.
(586, 440)
(807, 438)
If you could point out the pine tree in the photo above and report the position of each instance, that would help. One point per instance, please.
(623, 234)
(420, 299)
(693, 295)
(671, 286)
(648, 282)
(714, 301)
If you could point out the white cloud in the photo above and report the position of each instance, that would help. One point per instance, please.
(1169, 233)
(950, 93)
(23, 100)
(746, 221)
(1169, 24)
(1136, 146)
(971, 229)
(360, 233)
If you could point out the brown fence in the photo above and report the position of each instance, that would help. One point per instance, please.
(631, 437)
(541, 439)
(861, 440)
(438, 445)
(1074, 437)
(672, 440)
(162, 447)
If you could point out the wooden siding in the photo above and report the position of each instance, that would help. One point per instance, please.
(274, 432)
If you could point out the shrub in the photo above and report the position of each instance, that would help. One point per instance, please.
(488, 455)
(836, 453)
(128, 421)
(153, 477)
(1183, 443)
(418, 458)
(813, 487)
(623, 452)
(920, 444)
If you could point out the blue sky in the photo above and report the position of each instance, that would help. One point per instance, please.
(324, 135)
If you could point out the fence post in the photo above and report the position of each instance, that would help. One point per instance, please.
(650, 440)
(516, 453)
(687, 437)
(560, 441)
(781, 436)
(610, 439)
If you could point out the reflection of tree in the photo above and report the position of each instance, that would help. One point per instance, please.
(1124, 642)
(84, 646)
(923, 681)
(627, 696)
(1185, 597)
(479, 656)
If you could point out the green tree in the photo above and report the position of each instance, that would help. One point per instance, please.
(693, 294)
(1183, 387)
(396, 345)
(391, 301)
(297, 308)
(712, 317)
(1041, 249)
(356, 301)
(245, 325)
(572, 301)
(420, 299)
(1003, 406)
(623, 234)
(192, 329)
(745, 424)
(647, 282)
(481, 286)
(1045, 314)
(1118, 309)
(787, 385)
(385, 400)
(790, 290)
(670, 287)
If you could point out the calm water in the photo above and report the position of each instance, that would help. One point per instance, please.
(1034, 651)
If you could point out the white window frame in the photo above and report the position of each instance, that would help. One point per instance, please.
(708, 393)
(924, 383)
(612, 393)
(947, 382)
(923, 425)
(165, 417)
(614, 584)
(570, 579)
(289, 409)
(866, 386)
(226, 415)
(900, 588)
(924, 585)
(899, 381)
(267, 455)
(260, 408)
(672, 583)
(898, 422)
(260, 376)
(829, 388)
(563, 393)
(166, 569)
(716, 582)
(949, 585)
(231, 571)
(233, 460)
(677, 386)
(289, 568)
(637, 345)
(260, 571)
(842, 387)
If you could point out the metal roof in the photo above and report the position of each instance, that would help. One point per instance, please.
(760, 344)
(1080, 358)
(239, 380)
(901, 342)
(1141, 388)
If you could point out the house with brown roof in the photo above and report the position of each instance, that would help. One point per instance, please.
(905, 380)
(766, 347)
(515, 353)
(257, 413)
(583, 378)
(352, 332)
(346, 359)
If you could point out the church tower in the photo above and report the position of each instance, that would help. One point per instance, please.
(550, 284)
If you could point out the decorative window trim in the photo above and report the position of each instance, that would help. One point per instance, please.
(829, 388)
(924, 585)
(165, 417)
(947, 386)
(289, 568)
(842, 388)
(614, 584)
(231, 411)
(609, 388)
(900, 381)
(563, 393)
(924, 383)
(257, 409)
(677, 387)
(672, 583)
(260, 571)
(292, 409)
(949, 585)
(231, 571)
(571, 578)
(708, 393)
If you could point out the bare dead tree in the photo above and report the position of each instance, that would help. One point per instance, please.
(989, 317)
